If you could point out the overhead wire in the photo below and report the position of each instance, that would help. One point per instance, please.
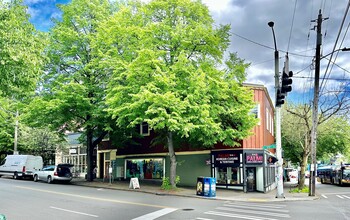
(291, 27)
(307, 85)
(334, 47)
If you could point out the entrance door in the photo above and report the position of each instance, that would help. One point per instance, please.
(251, 179)
(101, 164)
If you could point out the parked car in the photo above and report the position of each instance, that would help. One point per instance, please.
(54, 173)
(19, 166)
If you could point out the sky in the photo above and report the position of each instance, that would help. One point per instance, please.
(252, 38)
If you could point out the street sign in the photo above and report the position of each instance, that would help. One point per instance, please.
(272, 146)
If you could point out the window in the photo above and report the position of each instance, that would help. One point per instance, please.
(256, 111)
(144, 129)
(267, 119)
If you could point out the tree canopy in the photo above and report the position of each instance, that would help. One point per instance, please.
(72, 88)
(21, 50)
(165, 57)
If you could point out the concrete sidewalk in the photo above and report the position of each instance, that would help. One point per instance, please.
(221, 194)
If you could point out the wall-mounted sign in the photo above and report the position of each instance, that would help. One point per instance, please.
(254, 158)
(226, 158)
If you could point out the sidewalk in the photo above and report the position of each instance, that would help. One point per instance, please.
(221, 194)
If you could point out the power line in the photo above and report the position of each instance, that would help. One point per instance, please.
(262, 45)
(335, 44)
(291, 28)
(310, 77)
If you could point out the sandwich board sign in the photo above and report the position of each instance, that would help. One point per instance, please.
(134, 183)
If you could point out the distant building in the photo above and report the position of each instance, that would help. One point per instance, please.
(74, 154)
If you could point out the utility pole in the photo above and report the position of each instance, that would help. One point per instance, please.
(15, 151)
(279, 176)
(312, 179)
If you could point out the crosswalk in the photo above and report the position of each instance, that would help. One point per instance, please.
(338, 196)
(247, 210)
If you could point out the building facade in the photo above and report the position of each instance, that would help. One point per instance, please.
(245, 168)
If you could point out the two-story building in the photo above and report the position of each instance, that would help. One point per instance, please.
(245, 167)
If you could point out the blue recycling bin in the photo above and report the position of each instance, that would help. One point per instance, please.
(206, 186)
(209, 186)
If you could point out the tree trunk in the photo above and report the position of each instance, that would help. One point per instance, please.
(304, 159)
(90, 152)
(302, 170)
(173, 162)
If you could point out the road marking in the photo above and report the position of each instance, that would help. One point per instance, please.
(92, 198)
(346, 196)
(75, 212)
(156, 214)
(324, 196)
(238, 216)
(257, 212)
(340, 196)
(204, 218)
(256, 207)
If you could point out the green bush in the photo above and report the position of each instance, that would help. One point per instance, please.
(166, 183)
(297, 190)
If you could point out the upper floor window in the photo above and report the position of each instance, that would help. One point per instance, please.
(256, 111)
(144, 129)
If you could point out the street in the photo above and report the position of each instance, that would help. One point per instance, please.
(25, 199)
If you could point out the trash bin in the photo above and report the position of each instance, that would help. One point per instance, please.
(206, 186)
(200, 186)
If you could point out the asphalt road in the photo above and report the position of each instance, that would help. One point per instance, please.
(24, 199)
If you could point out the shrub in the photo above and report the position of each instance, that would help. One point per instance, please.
(166, 183)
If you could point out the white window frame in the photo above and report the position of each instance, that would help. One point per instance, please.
(142, 132)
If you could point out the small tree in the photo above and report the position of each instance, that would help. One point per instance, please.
(332, 136)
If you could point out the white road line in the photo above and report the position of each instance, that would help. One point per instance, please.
(340, 196)
(324, 196)
(230, 215)
(254, 212)
(263, 205)
(75, 212)
(204, 219)
(263, 208)
(156, 214)
(346, 196)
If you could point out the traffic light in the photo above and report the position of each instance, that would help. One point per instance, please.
(271, 160)
(279, 98)
(286, 82)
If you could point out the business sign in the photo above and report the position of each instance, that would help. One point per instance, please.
(226, 158)
(254, 158)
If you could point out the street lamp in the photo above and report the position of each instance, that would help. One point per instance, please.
(279, 178)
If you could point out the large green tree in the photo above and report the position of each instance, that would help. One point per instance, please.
(21, 61)
(166, 57)
(72, 92)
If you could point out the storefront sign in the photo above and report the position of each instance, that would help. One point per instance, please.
(226, 158)
(254, 158)
(134, 183)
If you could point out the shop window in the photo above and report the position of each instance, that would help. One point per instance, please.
(228, 175)
(150, 168)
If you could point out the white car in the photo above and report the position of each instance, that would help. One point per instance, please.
(52, 173)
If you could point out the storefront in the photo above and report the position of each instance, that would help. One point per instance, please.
(145, 168)
(246, 170)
